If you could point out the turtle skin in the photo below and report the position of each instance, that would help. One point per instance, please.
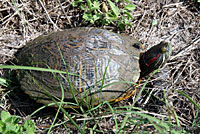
(96, 63)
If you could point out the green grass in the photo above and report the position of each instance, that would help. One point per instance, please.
(88, 120)
(134, 119)
(132, 116)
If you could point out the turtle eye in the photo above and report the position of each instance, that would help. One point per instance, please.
(164, 49)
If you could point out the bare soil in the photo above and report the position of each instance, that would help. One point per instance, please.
(178, 23)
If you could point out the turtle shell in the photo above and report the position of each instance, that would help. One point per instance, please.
(95, 60)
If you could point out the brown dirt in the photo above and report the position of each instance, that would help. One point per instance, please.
(178, 23)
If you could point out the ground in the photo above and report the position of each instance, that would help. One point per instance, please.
(175, 21)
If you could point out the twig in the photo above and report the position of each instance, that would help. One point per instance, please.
(179, 53)
(48, 15)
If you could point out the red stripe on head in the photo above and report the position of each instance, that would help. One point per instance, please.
(152, 60)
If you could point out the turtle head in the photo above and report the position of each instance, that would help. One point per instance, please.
(154, 58)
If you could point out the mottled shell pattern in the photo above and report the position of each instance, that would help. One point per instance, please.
(90, 54)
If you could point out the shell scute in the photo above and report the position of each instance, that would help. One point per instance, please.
(86, 52)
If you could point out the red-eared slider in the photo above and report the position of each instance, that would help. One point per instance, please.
(95, 60)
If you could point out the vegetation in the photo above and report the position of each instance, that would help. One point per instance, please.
(107, 12)
(129, 123)
(9, 124)
(175, 111)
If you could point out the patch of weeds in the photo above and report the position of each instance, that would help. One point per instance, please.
(107, 12)
(10, 124)
(123, 119)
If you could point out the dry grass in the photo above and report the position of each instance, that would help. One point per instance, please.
(178, 23)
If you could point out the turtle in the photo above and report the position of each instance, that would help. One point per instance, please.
(98, 65)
